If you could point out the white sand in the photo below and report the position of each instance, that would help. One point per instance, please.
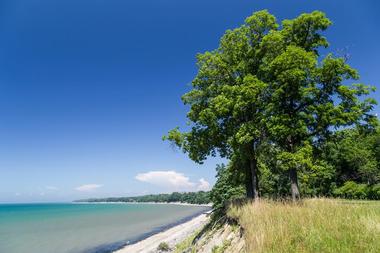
(171, 236)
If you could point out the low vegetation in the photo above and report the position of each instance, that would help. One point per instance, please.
(220, 237)
(186, 245)
(163, 247)
(314, 225)
(222, 248)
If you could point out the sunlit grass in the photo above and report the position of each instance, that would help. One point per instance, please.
(315, 225)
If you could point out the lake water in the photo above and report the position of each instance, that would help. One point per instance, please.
(71, 228)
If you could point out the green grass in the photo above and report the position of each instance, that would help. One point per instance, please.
(315, 225)
(186, 244)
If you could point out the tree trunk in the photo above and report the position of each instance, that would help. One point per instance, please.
(251, 171)
(293, 174)
(294, 184)
(254, 178)
(248, 180)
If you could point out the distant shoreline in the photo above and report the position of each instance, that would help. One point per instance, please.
(183, 198)
(150, 203)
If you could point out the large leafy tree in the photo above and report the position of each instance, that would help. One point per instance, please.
(268, 84)
(227, 100)
(309, 98)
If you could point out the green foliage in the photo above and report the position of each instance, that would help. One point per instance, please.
(352, 190)
(354, 154)
(353, 164)
(267, 85)
(319, 179)
(301, 158)
(227, 187)
(345, 166)
(226, 103)
(374, 192)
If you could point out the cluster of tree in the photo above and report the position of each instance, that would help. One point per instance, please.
(354, 157)
(346, 166)
(267, 100)
(200, 197)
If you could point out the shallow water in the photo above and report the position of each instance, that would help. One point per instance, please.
(58, 228)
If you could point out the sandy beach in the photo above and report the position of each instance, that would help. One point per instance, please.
(171, 236)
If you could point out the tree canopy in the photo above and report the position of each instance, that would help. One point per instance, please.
(267, 84)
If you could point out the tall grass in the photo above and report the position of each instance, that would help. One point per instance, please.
(315, 225)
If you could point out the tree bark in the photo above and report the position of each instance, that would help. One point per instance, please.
(254, 178)
(248, 180)
(251, 179)
(293, 174)
(294, 184)
(251, 171)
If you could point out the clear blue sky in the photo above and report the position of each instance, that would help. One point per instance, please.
(88, 88)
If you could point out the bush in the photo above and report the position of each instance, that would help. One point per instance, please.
(374, 192)
(352, 190)
(163, 246)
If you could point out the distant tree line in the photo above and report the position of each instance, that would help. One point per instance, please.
(200, 197)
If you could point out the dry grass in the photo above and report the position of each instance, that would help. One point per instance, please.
(315, 225)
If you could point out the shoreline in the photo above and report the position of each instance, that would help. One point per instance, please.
(171, 234)
(150, 203)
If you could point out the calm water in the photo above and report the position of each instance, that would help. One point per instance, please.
(56, 228)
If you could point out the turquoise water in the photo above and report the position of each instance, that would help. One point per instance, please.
(58, 228)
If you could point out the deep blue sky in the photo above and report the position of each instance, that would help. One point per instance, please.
(88, 87)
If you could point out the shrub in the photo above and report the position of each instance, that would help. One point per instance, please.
(163, 246)
(352, 190)
(374, 192)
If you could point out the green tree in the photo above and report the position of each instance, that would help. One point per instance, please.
(308, 96)
(354, 155)
(227, 100)
(266, 83)
(228, 186)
